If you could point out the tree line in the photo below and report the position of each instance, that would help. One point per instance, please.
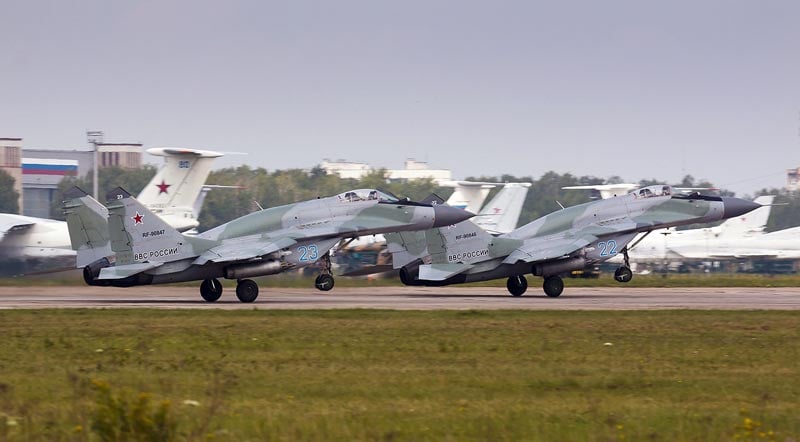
(257, 186)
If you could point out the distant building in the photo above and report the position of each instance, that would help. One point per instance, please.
(40, 179)
(417, 170)
(43, 170)
(346, 169)
(414, 170)
(10, 162)
(793, 179)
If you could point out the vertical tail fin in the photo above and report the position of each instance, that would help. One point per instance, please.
(138, 235)
(502, 213)
(88, 226)
(176, 187)
(469, 195)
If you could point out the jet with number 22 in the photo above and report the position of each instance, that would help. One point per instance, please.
(566, 240)
(270, 241)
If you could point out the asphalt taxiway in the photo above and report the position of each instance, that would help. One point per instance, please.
(407, 298)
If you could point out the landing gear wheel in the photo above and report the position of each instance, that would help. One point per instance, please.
(553, 286)
(324, 282)
(517, 285)
(247, 290)
(210, 289)
(623, 274)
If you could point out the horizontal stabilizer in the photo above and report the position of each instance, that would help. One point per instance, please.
(440, 272)
(369, 270)
(124, 271)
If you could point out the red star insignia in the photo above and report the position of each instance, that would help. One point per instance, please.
(497, 210)
(137, 219)
(162, 188)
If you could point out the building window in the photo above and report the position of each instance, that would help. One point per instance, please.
(11, 157)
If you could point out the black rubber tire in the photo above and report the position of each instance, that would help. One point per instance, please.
(517, 285)
(247, 290)
(324, 282)
(210, 289)
(623, 274)
(405, 276)
(553, 286)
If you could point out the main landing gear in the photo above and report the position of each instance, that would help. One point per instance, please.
(553, 286)
(624, 273)
(246, 290)
(211, 289)
(324, 282)
(517, 285)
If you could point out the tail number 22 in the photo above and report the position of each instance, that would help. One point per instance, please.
(607, 248)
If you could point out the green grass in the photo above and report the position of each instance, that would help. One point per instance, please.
(73, 278)
(387, 375)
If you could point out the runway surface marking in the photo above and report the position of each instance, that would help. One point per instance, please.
(407, 298)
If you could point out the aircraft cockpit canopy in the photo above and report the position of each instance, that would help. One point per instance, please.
(366, 195)
(652, 191)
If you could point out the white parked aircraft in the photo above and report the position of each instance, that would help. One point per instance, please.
(469, 195)
(171, 193)
(707, 243)
(501, 214)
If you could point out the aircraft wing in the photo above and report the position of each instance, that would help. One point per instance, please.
(543, 249)
(243, 249)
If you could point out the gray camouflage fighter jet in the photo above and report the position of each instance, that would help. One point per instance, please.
(270, 241)
(566, 240)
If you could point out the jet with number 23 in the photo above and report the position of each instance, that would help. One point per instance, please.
(148, 251)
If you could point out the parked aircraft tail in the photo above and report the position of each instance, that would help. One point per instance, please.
(502, 213)
(176, 187)
(749, 224)
(88, 227)
(469, 195)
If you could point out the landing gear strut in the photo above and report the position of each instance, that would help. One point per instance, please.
(210, 289)
(624, 273)
(517, 285)
(324, 282)
(553, 286)
(246, 290)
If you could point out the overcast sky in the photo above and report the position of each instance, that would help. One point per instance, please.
(634, 88)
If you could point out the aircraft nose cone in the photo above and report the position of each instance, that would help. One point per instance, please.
(736, 207)
(446, 215)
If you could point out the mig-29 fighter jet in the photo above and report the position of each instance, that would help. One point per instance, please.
(566, 240)
(270, 241)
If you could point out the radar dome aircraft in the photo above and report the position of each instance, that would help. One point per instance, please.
(566, 240)
(270, 241)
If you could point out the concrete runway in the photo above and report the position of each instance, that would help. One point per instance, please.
(406, 298)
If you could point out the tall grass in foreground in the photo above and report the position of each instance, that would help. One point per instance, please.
(386, 375)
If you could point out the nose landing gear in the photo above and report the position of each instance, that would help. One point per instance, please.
(624, 274)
